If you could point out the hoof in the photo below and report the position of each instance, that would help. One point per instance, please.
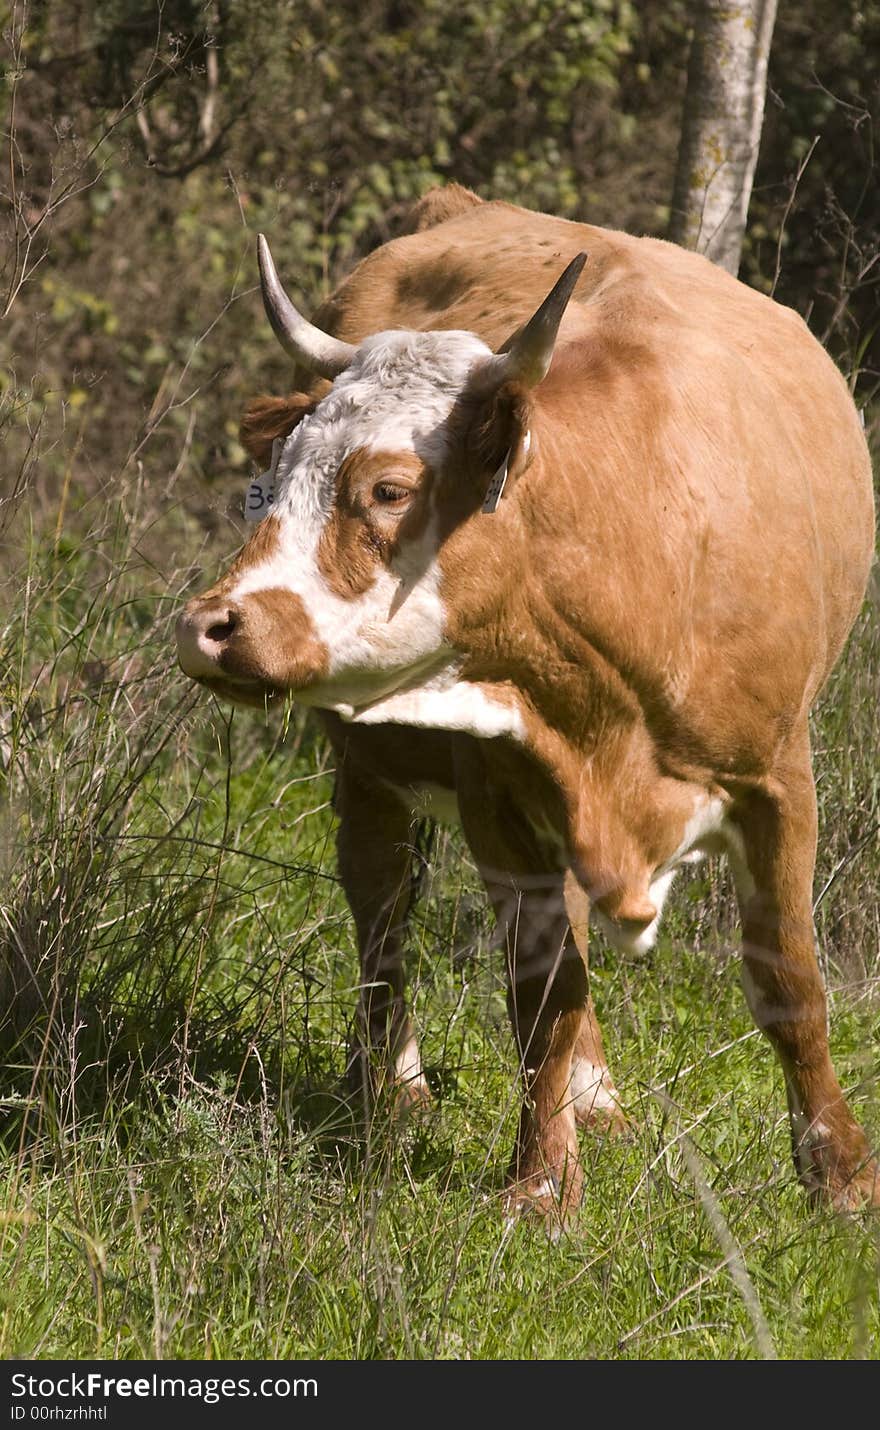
(859, 1192)
(606, 1118)
(411, 1100)
(836, 1167)
(546, 1198)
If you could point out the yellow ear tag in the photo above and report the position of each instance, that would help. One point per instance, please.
(260, 494)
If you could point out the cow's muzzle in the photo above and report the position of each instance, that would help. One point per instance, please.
(204, 631)
(250, 649)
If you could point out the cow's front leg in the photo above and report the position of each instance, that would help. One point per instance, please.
(783, 984)
(374, 845)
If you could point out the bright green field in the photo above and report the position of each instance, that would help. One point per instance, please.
(179, 1177)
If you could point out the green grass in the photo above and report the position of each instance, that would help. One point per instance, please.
(180, 1177)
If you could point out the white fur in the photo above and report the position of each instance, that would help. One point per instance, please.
(408, 1064)
(441, 703)
(591, 1087)
(807, 1136)
(544, 1189)
(736, 855)
(621, 938)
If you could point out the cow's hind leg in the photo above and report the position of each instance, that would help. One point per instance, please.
(596, 1103)
(374, 844)
(783, 983)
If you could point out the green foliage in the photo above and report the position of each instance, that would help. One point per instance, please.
(823, 102)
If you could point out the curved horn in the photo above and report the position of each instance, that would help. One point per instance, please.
(316, 351)
(527, 358)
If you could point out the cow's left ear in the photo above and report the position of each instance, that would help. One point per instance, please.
(506, 443)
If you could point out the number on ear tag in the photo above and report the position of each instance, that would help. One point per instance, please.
(260, 494)
(496, 487)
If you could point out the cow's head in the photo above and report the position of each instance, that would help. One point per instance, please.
(339, 596)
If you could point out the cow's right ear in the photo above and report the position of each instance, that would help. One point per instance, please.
(266, 418)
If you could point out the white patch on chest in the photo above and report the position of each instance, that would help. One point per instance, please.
(441, 703)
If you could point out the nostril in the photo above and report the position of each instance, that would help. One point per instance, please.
(203, 634)
(220, 631)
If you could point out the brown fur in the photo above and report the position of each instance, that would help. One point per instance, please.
(266, 418)
(271, 646)
(261, 545)
(275, 622)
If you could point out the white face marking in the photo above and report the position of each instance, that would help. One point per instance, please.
(396, 395)
(625, 941)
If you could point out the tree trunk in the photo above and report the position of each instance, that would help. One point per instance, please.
(721, 127)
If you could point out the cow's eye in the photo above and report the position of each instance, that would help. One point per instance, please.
(391, 493)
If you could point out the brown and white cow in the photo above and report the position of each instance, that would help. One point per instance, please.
(607, 674)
